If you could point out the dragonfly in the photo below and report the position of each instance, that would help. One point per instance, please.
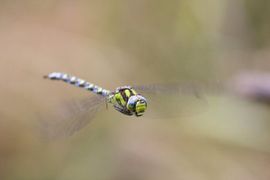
(124, 99)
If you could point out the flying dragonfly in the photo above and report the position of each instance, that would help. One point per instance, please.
(124, 99)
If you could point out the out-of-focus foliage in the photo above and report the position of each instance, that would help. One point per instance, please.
(121, 42)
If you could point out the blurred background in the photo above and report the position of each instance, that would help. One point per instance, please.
(122, 42)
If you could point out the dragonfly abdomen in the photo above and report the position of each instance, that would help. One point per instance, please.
(78, 82)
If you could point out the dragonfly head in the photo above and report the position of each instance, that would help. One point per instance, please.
(137, 104)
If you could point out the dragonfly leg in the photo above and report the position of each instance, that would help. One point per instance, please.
(122, 110)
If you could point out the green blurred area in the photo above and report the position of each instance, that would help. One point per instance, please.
(114, 43)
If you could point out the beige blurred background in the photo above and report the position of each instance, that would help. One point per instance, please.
(121, 42)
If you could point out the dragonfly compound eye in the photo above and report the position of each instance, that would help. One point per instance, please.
(140, 108)
(132, 102)
(137, 104)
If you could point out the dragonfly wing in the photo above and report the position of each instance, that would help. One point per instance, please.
(171, 100)
(189, 89)
(70, 118)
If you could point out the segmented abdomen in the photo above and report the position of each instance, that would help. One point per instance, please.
(78, 82)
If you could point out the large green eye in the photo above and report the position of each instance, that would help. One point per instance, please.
(140, 106)
(137, 104)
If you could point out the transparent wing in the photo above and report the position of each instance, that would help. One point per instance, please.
(189, 89)
(70, 118)
(171, 100)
